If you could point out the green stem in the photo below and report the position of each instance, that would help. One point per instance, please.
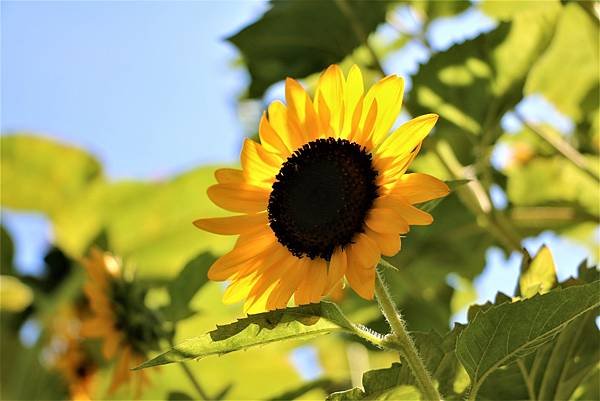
(191, 377)
(195, 383)
(401, 340)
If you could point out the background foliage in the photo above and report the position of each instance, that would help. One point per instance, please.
(549, 178)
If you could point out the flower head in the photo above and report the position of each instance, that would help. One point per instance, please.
(323, 195)
(128, 329)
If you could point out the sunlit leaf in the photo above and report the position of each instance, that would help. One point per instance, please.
(259, 329)
(540, 276)
(40, 174)
(503, 333)
(552, 181)
(296, 39)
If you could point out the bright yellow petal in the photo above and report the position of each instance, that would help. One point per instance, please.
(233, 261)
(303, 292)
(353, 92)
(407, 137)
(270, 139)
(286, 286)
(278, 118)
(331, 89)
(419, 187)
(389, 244)
(301, 108)
(260, 167)
(388, 94)
(364, 252)
(232, 225)
(384, 220)
(318, 276)
(337, 269)
(409, 213)
(360, 279)
(241, 198)
(239, 289)
(229, 176)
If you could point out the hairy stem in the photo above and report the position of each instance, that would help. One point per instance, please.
(401, 341)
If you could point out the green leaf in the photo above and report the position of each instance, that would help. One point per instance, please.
(493, 66)
(434, 9)
(40, 174)
(540, 276)
(284, 324)
(503, 333)
(296, 39)
(573, 56)
(149, 223)
(552, 181)
(557, 369)
(379, 384)
(178, 396)
(509, 9)
(183, 288)
(303, 389)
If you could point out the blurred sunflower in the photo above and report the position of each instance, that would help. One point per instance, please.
(120, 318)
(324, 195)
(68, 355)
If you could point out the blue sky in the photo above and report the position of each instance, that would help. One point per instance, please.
(150, 89)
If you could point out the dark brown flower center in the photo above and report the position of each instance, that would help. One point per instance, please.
(321, 197)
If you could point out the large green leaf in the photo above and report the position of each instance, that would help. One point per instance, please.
(148, 223)
(494, 67)
(567, 73)
(557, 369)
(379, 384)
(299, 38)
(501, 334)
(259, 329)
(40, 174)
(553, 181)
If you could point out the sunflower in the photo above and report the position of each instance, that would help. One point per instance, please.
(323, 195)
(68, 355)
(119, 317)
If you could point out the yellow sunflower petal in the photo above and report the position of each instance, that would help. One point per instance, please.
(229, 175)
(270, 139)
(286, 286)
(239, 289)
(388, 94)
(331, 89)
(360, 279)
(337, 269)
(411, 214)
(233, 261)
(303, 292)
(419, 187)
(232, 225)
(259, 165)
(278, 118)
(364, 251)
(240, 197)
(407, 137)
(386, 221)
(318, 278)
(389, 244)
(353, 92)
(300, 107)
